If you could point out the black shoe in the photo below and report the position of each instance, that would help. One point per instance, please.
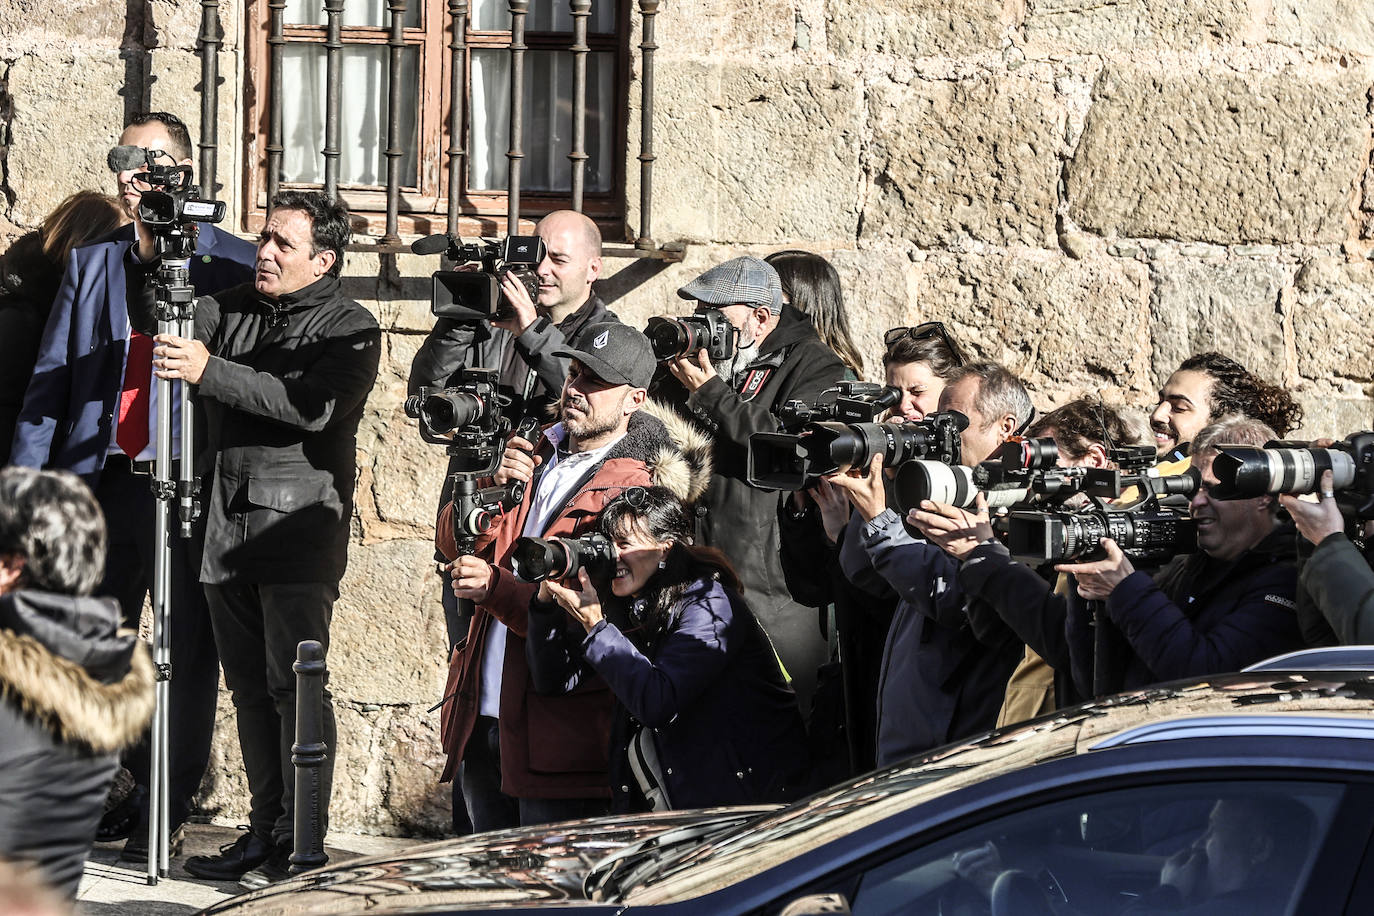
(136, 850)
(234, 860)
(121, 821)
(276, 868)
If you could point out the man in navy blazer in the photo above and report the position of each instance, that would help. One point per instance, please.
(84, 387)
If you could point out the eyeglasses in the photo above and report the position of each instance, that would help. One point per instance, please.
(924, 331)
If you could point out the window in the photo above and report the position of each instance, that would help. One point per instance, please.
(423, 117)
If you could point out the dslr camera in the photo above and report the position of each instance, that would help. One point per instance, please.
(537, 559)
(840, 431)
(466, 418)
(1284, 466)
(475, 295)
(707, 330)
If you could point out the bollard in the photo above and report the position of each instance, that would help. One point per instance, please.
(308, 755)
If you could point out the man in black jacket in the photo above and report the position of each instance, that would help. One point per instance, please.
(74, 688)
(779, 359)
(284, 366)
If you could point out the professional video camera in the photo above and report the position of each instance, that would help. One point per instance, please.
(172, 205)
(1147, 535)
(840, 432)
(707, 330)
(537, 559)
(475, 295)
(1296, 467)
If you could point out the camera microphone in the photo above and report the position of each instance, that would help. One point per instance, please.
(432, 244)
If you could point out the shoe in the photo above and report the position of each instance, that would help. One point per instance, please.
(136, 850)
(234, 860)
(122, 820)
(276, 868)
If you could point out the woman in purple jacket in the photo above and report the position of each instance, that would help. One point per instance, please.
(704, 713)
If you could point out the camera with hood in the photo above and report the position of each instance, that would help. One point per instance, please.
(172, 205)
(707, 329)
(537, 559)
(839, 431)
(1284, 466)
(475, 295)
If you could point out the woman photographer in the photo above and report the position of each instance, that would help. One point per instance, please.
(704, 716)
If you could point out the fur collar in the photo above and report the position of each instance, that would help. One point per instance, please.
(67, 701)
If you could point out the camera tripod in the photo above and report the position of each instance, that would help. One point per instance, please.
(176, 498)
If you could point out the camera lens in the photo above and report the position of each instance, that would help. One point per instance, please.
(537, 559)
(668, 337)
(448, 410)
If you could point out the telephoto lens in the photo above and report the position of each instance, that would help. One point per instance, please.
(447, 410)
(1243, 471)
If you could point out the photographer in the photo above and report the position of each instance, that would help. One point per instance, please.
(777, 358)
(1336, 583)
(92, 408)
(1002, 593)
(938, 682)
(1224, 607)
(703, 714)
(524, 758)
(74, 688)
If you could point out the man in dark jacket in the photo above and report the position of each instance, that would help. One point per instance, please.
(91, 408)
(1226, 606)
(76, 689)
(284, 366)
(779, 359)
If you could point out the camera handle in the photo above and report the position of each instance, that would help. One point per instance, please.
(175, 312)
(475, 510)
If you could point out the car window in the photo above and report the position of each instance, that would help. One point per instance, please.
(1243, 848)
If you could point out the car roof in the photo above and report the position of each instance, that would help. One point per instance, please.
(1293, 704)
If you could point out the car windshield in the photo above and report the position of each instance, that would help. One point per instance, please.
(747, 850)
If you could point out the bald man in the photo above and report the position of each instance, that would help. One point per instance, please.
(521, 347)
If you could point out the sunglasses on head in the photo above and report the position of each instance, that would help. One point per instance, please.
(923, 331)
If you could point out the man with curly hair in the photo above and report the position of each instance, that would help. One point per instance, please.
(1207, 387)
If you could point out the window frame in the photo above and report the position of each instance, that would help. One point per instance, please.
(423, 208)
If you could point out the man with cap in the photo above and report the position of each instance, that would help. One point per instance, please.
(523, 758)
(778, 358)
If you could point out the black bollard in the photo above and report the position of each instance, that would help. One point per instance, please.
(308, 755)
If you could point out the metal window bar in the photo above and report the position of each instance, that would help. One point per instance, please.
(333, 94)
(275, 41)
(457, 154)
(581, 9)
(393, 152)
(518, 11)
(648, 9)
(209, 95)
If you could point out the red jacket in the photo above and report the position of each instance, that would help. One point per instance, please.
(555, 746)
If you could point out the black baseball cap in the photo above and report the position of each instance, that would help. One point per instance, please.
(615, 352)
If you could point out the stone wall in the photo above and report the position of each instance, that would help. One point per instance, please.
(1085, 191)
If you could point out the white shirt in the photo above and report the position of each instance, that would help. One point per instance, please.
(553, 489)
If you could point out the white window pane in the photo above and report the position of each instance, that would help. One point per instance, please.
(545, 16)
(547, 121)
(362, 116)
(355, 12)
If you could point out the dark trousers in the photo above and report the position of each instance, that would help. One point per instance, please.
(492, 809)
(130, 514)
(257, 628)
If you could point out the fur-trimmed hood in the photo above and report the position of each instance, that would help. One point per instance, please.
(676, 452)
(65, 664)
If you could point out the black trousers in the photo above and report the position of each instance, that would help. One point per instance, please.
(130, 515)
(257, 628)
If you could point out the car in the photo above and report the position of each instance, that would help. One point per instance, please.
(1248, 793)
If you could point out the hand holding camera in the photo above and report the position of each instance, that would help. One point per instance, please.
(1317, 520)
(865, 487)
(520, 311)
(517, 462)
(1098, 579)
(693, 370)
(471, 578)
(954, 530)
(581, 601)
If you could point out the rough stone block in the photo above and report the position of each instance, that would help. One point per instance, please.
(1347, 25)
(1087, 26)
(914, 28)
(1332, 317)
(976, 157)
(58, 147)
(1333, 415)
(1067, 327)
(1221, 157)
(29, 26)
(403, 480)
(687, 171)
(388, 643)
(744, 29)
(1230, 306)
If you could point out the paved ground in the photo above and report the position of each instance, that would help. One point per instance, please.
(109, 887)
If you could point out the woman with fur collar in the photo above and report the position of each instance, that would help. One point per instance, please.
(74, 689)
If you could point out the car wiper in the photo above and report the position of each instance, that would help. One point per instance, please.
(626, 866)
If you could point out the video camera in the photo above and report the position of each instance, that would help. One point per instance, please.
(537, 559)
(172, 205)
(1284, 466)
(841, 432)
(1146, 535)
(707, 330)
(475, 295)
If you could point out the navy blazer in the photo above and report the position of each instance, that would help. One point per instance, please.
(68, 411)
